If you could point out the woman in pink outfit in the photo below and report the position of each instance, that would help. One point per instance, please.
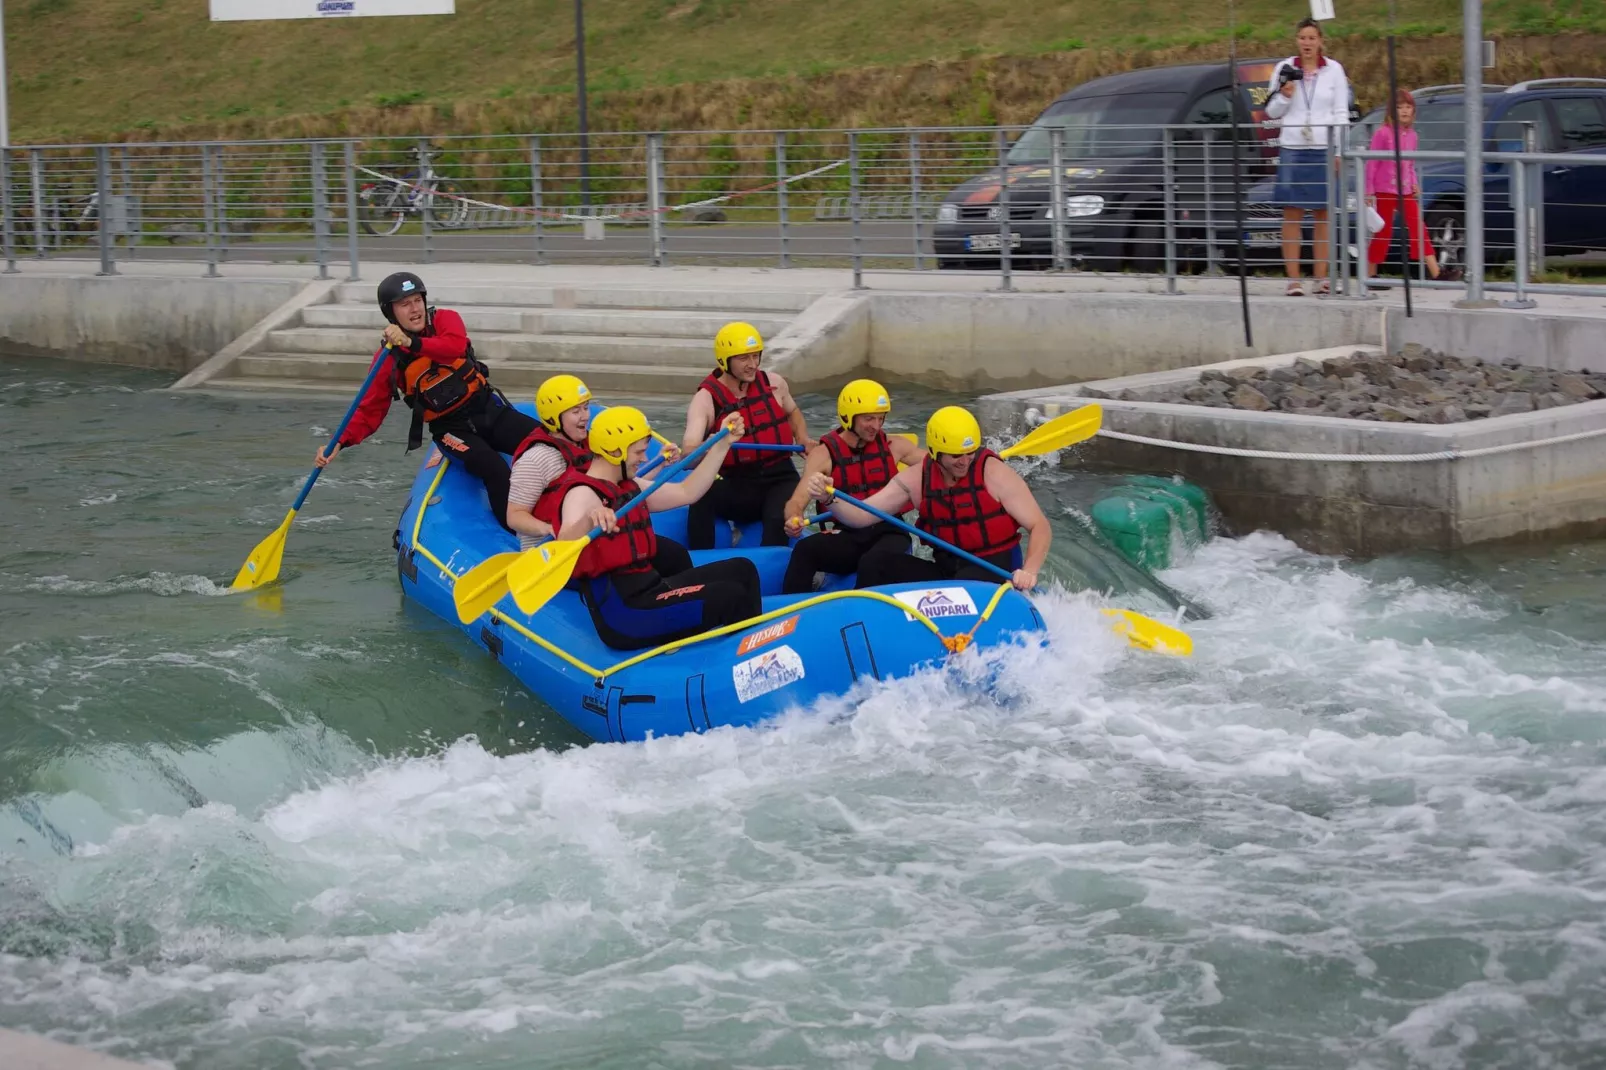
(1384, 194)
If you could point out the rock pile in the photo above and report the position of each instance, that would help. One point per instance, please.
(1417, 386)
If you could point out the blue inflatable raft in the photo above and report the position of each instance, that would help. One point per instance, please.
(801, 648)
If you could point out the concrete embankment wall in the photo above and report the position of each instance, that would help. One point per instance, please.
(151, 322)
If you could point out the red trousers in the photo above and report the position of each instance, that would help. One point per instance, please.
(1421, 248)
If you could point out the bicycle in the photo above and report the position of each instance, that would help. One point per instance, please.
(384, 205)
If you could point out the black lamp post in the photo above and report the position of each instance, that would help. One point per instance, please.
(580, 79)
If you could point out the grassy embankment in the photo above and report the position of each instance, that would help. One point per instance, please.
(148, 69)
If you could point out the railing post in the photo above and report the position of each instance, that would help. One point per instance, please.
(5, 211)
(655, 198)
(1056, 197)
(36, 177)
(422, 199)
(1168, 165)
(1519, 212)
(103, 177)
(914, 194)
(1006, 280)
(853, 209)
(1335, 213)
(536, 206)
(211, 209)
(1362, 239)
(780, 194)
(130, 234)
(1209, 204)
(320, 208)
(352, 252)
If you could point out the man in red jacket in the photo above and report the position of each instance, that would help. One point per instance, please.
(434, 371)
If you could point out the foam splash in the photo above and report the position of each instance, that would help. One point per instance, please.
(164, 584)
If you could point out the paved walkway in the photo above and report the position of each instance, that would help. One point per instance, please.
(636, 276)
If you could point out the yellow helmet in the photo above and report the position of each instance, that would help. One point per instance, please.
(557, 396)
(736, 340)
(613, 432)
(859, 397)
(950, 430)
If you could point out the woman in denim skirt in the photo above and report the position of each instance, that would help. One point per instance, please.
(1310, 95)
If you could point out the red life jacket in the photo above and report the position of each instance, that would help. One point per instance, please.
(965, 514)
(765, 419)
(576, 458)
(629, 549)
(862, 473)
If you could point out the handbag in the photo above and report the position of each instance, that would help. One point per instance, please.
(1374, 221)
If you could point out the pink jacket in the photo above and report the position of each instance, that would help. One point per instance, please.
(1380, 173)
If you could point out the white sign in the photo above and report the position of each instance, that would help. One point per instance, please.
(240, 10)
(935, 602)
(768, 672)
(1321, 10)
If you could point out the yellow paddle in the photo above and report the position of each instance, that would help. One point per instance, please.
(482, 586)
(1067, 430)
(262, 565)
(1150, 634)
(542, 572)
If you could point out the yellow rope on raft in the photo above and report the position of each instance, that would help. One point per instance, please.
(957, 644)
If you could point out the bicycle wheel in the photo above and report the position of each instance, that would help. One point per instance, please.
(447, 207)
(382, 209)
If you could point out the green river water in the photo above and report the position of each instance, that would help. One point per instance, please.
(1362, 828)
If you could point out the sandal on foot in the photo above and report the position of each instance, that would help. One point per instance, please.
(1296, 288)
(1322, 288)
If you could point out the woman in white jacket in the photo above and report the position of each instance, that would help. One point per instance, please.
(1310, 95)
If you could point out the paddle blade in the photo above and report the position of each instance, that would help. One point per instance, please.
(262, 566)
(1067, 430)
(1146, 633)
(539, 574)
(482, 586)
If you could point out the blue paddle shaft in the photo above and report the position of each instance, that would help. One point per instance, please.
(679, 466)
(379, 362)
(929, 540)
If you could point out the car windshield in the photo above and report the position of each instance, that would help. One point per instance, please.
(1440, 126)
(1099, 127)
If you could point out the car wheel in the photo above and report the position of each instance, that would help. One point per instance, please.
(1447, 230)
(1145, 250)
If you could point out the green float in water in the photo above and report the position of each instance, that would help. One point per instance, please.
(1152, 518)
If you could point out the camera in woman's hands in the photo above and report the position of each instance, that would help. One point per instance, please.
(1289, 73)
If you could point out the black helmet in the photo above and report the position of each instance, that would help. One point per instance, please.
(397, 286)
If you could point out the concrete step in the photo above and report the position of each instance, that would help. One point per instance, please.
(478, 318)
(321, 343)
(292, 372)
(482, 319)
(736, 301)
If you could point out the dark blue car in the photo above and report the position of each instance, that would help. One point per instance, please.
(1560, 115)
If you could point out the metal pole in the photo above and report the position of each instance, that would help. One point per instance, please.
(352, 264)
(1519, 203)
(1338, 225)
(5, 113)
(128, 200)
(780, 193)
(5, 211)
(1006, 280)
(210, 207)
(320, 209)
(580, 81)
(423, 201)
(1536, 192)
(1472, 94)
(36, 178)
(1399, 179)
(1335, 213)
(1363, 268)
(1056, 197)
(103, 178)
(1237, 172)
(536, 199)
(655, 198)
(914, 194)
(1168, 180)
(1209, 205)
(853, 209)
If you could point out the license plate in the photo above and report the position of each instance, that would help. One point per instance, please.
(977, 243)
(1263, 238)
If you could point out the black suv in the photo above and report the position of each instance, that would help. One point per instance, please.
(1559, 115)
(1113, 158)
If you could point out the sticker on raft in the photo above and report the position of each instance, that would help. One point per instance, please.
(768, 672)
(767, 634)
(935, 602)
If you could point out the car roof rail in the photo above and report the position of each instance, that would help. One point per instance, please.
(1454, 87)
(1548, 83)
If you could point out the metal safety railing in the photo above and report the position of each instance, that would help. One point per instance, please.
(1154, 200)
